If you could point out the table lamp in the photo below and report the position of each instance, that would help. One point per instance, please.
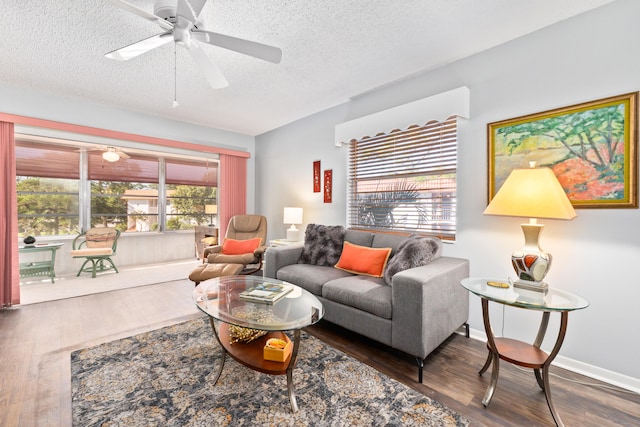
(211, 210)
(533, 193)
(293, 216)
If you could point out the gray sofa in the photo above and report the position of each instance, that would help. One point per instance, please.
(423, 306)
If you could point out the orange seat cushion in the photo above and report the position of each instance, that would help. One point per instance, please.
(239, 247)
(363, 260)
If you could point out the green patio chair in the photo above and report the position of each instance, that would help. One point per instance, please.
(97, 245)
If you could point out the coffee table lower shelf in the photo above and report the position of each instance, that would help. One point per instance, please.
(251, 355)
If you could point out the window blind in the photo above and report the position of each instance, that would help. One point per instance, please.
(405, 180)
(188, 172)
(137, 168)
(42, 160)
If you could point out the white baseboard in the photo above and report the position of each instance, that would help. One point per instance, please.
(619, 380)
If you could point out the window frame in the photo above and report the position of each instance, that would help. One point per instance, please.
(86, 152)
(405, 181)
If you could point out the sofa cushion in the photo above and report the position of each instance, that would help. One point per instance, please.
(357, 237)
(414, 251)
(362, 292)
(393, 241)
(322, 245)
(310, 277)
(363, 260)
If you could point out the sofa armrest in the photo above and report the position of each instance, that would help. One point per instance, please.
(429, 304)
(278, 257)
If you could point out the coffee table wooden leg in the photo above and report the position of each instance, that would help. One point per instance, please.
(224, 352)
(292, 364)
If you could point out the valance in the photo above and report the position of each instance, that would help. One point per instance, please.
(451, 103)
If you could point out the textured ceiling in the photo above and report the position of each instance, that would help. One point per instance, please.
(333, 50)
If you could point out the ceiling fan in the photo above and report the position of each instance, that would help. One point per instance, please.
(180, 20)
(111, 154)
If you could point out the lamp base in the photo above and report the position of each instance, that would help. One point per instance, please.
(531, 285)
(293, 235)
(531, 263)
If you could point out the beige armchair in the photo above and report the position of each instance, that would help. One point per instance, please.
(229, 258)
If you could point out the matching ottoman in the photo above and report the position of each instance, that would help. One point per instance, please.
(208, 271)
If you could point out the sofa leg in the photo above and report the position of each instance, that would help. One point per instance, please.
(466, 330)
(420, 362)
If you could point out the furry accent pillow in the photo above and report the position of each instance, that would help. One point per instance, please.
(322, 245)
(413, 252)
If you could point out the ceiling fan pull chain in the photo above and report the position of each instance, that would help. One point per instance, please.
(175, 77)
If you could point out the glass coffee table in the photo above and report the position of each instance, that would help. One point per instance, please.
(219, 298)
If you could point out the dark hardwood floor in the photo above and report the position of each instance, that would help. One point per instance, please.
(36, 342)
(451, 377)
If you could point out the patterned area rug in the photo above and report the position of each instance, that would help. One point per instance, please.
(163, 378)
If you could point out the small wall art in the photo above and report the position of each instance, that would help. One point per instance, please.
(591, 148)
(316, 176)
(328, 184)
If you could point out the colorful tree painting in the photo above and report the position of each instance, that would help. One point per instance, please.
(590, 147)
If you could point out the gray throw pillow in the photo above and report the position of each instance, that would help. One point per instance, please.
(322, 245)
(415, 251)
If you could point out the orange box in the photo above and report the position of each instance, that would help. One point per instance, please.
(278, 354)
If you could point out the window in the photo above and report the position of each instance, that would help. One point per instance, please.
(47, 189)
(124, 194)
(191, 193)
(405, 180)
(137, 193)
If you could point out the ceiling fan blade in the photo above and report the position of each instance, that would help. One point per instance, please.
(207, 67)
(247, 47)
(138, 48)
(190, 9)
(142, 13)
(123, 155)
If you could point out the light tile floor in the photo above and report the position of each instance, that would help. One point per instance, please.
(35, 290)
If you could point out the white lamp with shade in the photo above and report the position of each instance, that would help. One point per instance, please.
(533, 193)
(293, 216)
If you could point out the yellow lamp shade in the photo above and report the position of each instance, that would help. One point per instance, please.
(532, 193)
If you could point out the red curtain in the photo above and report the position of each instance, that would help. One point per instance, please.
(9, 272)
(233, 190)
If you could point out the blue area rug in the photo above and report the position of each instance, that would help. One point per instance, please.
(163, 378)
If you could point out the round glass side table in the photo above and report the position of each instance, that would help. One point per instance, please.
(515, 351)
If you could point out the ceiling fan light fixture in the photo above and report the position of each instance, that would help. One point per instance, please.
(111, 156)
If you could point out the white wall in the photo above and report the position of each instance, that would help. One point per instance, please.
(585, 58)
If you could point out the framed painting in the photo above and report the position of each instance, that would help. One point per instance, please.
(591, 148)
(328, 185)
(316, 176)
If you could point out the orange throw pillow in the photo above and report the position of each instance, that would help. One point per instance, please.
(363, 260)
(239, 247)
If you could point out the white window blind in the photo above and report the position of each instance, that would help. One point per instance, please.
(405, 180)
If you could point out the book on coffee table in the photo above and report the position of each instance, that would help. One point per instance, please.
(268, 293)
